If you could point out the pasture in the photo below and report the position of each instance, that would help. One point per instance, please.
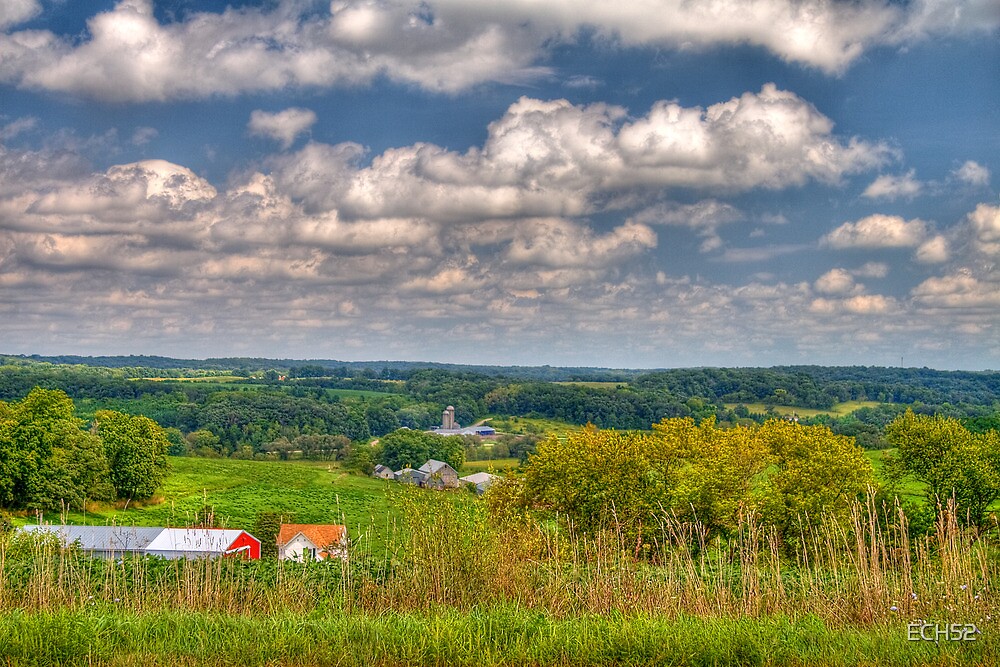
(838, 410)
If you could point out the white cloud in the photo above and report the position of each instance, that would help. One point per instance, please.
(894, 187)
(878, 231)
(283, 126)
(561, 244)
(984, 223)
(440, 45)
(18, 126)
(934, 250)
(973, 173)
(835, 281)
(959, 290)
(13, 12)
(143, 135)
(872, 270)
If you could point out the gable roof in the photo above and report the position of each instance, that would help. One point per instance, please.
(200, 540)
(477, 478)
(433, 465)
(321, 535)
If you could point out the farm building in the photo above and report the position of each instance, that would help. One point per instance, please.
(438, 475)
(383, 472)
(409, 476)
(172, 543)
(481, 480)
(299, 541)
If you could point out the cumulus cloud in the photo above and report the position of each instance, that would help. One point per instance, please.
(143, 135)
(984, 223)
(894, 187)
(551, 158)
(878, 231)
(972, 173)
(934, 250)
(13, 12)
(835, 281)
(440, 45)
(704, 217)
(958, 290)
(283, 126)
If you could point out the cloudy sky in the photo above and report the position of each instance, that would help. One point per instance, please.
(652, 183)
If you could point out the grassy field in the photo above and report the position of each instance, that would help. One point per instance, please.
(532, 425)
(495, 464)
(595, 384)
(311, 492)
(206, 378)
(838, 410)
(481, 638)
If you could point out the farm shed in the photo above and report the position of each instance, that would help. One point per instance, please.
(298, 541)
(409, 476)
(481, 480)
(438, 475)
(173, 543)
(384, 472)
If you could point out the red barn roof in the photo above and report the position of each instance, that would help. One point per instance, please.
(322, 535)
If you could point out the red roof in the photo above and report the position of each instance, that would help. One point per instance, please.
(319, 534)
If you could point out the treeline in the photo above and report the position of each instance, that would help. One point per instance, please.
(268, 414)
(822, 387)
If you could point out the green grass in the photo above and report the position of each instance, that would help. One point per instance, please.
(496, 464)
(532, 425)
(479, 638)
(206, 378)
(838, 410)
(314, 492)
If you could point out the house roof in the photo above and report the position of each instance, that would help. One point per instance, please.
(151, 540)
(101, 538)
(321, 535)
(191, 540)
(477, 478)
(433, 465)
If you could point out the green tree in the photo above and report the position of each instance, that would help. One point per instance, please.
(136, 448)
(950, 460)
(815, 473)
(405, 447)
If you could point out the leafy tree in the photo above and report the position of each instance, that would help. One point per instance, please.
(405, 447)
(136, 448)
(816, 473)
(950, 460)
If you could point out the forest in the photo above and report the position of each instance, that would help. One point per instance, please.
(267, 408)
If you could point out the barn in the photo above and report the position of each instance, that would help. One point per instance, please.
(172, 543)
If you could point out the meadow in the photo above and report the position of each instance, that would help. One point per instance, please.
(838, 410)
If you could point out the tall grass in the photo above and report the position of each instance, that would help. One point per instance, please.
(865, 570)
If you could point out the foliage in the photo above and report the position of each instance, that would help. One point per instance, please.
(407, 448)
(949, 459)
(136, 449)
(696, 472)
(46, 460)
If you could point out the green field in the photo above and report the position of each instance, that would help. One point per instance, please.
(311, 492)
(838, 410)
(532, 426)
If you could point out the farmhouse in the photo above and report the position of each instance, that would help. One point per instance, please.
(438, 475)
(451, 427)
(301, 541)
(172, 543)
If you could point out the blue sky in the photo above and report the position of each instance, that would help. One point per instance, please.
(645, 184)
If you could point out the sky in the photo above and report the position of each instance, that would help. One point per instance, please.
(642, 184)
